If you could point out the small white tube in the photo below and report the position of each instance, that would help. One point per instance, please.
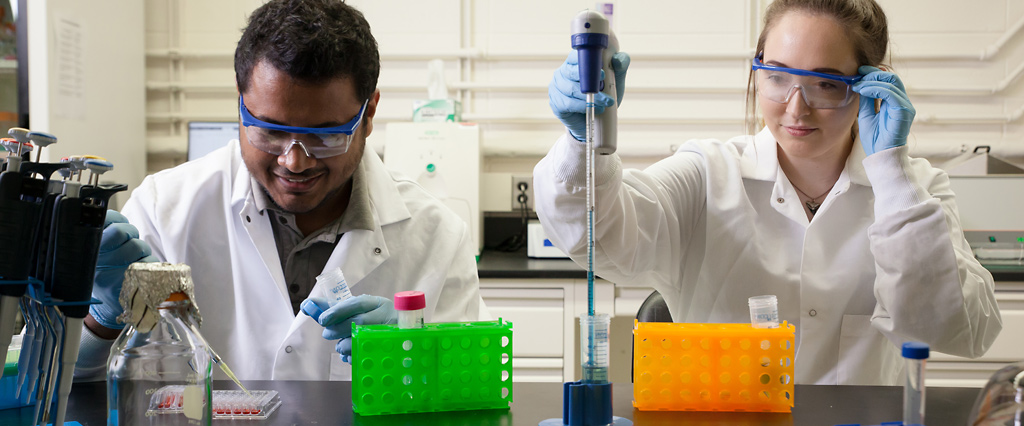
(334, 287)
(764, 311)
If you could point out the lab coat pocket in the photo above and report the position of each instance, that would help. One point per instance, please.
(866, 357)
(340, 370)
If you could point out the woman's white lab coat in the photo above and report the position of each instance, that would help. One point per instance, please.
(883, 261)
(202, 214)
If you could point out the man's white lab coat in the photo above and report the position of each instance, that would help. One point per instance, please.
(883, 261)
(202, 213)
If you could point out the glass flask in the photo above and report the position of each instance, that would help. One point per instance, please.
(143, 363)
(1001, 402)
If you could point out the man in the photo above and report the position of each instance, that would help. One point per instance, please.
(297, 195)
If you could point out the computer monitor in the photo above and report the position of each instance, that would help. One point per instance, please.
(206, 136)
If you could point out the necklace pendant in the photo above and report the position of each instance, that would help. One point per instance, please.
(812, 206)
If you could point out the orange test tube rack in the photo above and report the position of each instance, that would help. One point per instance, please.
(713, 367)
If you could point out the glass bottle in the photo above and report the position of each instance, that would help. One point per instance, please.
(1001, 401)
(160, 377)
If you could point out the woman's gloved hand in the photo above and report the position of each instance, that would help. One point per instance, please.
(890, 126)
(570, 105)
(120, 246)
(337, 321)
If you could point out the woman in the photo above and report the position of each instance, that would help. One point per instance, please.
(823, 207)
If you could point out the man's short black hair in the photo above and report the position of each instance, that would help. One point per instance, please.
(313, 41)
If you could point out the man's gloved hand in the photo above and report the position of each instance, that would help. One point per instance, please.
(120, 246)
(570, 105)
(337, 321)
(890, 126)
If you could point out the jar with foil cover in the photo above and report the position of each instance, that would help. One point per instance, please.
(160, 349)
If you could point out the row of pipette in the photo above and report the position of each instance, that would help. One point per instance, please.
(50, 233)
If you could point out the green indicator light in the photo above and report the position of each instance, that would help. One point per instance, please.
(1020, 239)
(991, 239)
(431, 168)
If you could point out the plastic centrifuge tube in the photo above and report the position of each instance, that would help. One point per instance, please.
(916, 354)
(409, 305)
(334, 286)
(594, 347)
(764, 311)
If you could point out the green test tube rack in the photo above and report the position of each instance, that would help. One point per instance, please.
(440, 367)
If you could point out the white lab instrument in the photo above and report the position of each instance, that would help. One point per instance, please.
(764, 311)
(444, 158)
(539, 246)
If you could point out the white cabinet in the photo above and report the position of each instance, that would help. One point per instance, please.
(544, 316)
(948, 370)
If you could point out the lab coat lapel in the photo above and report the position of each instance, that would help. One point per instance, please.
(258, 228)
(361, 251)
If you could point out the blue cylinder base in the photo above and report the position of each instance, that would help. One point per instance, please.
(587, 404)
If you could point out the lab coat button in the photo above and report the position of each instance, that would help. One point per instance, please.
(812, 312)
(247, 219)
(376, 250)
(288, 349)
(780, 200)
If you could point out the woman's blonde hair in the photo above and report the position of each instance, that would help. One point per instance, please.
(863, 20)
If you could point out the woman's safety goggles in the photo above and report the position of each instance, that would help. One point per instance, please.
(820, 90)
(276, 139)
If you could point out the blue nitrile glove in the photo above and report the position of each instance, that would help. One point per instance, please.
(337, 321)
(890, 126)
(120, 246)
(570, 105)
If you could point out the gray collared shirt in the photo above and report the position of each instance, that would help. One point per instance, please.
(304, 257)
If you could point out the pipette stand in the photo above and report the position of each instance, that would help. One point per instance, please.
(587, 404)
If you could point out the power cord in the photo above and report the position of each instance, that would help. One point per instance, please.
(518, 241)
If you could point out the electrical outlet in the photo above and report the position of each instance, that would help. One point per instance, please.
(522, 186)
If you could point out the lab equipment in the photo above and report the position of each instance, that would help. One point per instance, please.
(764, 311)
(916, 354)
(538, 244)
(227, 405)
(409, 305)
(890, 126)
(594, 347)
(158, 348)
(819, 90)
(55, 240)
(334, 287)
(713, 367)
(589, 401)
(321, 142)
(42, 140)
(1001, 401)
(445, 159)
(440, 367)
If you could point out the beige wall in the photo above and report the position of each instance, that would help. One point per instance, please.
(960, 60)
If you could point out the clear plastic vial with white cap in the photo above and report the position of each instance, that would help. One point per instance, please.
(409, 305)
(334, 286)
(916, 354)
(764, 311)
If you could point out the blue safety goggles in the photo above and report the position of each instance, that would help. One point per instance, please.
(819, 90)
(321, 142)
